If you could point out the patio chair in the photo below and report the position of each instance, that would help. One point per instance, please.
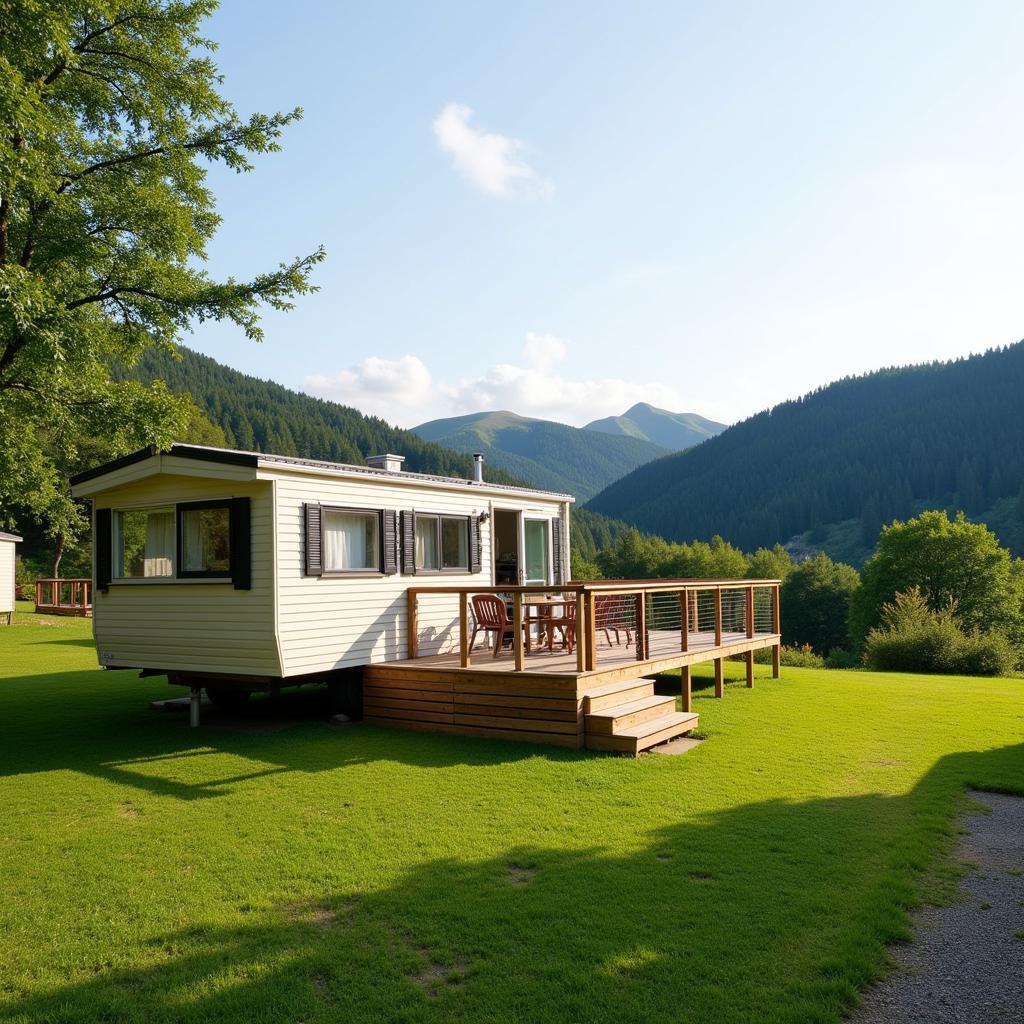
(607, 621)
(566, 622)
(491, 616)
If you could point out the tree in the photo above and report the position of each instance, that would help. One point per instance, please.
(951, 562)
(815, 600)
(109, 114)
(773, 563)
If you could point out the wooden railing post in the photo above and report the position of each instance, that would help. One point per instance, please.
(517, 626)
(591, 632)
(582, 634)
(776, 617)
(641, 626)
(718, 616)
(464, 653)
(684, 621)
(412, 623)
(750, 612)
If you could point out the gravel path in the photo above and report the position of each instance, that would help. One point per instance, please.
(966, 964)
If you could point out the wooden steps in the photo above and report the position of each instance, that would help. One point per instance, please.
(633, 739)
(615, 719)
(597, 698)
(627, 717)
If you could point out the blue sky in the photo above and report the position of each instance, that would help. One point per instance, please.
(566, 208)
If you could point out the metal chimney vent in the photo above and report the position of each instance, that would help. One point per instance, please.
(478, 467)
(389, 463)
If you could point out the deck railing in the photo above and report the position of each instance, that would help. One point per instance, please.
(659, 619)
(64, 596)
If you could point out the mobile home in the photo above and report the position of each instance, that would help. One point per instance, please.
(7, 586)
(244, 567)
(239, 571)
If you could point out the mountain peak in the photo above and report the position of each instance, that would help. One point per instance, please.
(673, 430)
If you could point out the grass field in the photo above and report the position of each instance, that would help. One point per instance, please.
(316, 873)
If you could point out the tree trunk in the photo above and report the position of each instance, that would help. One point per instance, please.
(58, 553)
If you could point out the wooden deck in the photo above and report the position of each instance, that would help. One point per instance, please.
(545, 696)
(64, 597)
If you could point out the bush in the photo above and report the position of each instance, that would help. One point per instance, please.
(987, 654)
(792, 657)
(914, 638)
(840, 657)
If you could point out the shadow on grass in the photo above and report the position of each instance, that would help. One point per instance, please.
(65, 721)
(772, 911)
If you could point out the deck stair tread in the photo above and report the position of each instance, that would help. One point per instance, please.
(613, 719)
(598, 698)
(644, 729)
(633, 739)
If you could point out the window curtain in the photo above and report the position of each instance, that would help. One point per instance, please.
(193, 554)
(158, 558)
(344, 541)
(426, 542)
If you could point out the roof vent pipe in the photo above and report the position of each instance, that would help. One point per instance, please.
(478, 467)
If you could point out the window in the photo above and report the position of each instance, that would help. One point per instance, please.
(187, 541)
(144, 543)
(442, 543)
(204, 534)
(351, 540)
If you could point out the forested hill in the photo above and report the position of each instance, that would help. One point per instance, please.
(259, 415)
(865, 449)
(551, 455)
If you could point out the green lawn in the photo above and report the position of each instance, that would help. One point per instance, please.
(313, 873)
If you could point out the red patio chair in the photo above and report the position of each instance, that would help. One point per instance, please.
(491, 616)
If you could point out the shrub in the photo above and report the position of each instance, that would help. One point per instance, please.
(840, 657)
(793, 657)
(915, 638)
(987, 654)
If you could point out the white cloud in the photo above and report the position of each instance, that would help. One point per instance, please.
(492, 162)
(403, 390)
(389, 388)
(537, 388)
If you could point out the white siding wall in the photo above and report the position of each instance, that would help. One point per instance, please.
(6, 576)
(326, 623)
(197, 625)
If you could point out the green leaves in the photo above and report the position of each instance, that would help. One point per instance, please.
(110, 113)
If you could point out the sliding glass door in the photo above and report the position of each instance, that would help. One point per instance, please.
(537, 551)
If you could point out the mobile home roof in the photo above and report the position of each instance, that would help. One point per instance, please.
(260, 460)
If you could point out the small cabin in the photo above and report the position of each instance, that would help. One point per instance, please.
(7, 585)
(252, 569)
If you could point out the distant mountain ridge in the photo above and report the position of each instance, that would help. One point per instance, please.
(675, 431)
(848, 458)
(550, 455)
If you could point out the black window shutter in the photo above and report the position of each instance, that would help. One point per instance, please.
(240, 534)
(409, 543)
(474, 544)
(390, 542)
(104, 568)
(556, 551)
(314, 540)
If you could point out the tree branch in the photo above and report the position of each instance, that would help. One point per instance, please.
(111, 293)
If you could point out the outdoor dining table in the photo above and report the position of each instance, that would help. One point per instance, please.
(544, 605)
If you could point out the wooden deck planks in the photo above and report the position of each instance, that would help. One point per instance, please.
(543, 703)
